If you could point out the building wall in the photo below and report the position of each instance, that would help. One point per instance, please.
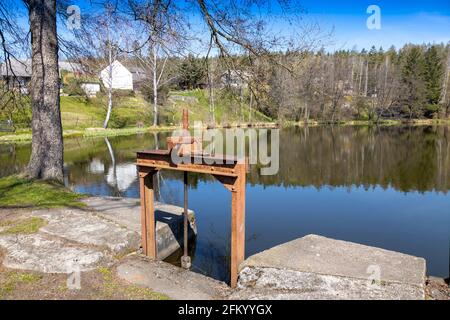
(91, 89)
(121, 77)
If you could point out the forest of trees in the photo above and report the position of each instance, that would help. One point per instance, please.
(409, 83)
(371, 85)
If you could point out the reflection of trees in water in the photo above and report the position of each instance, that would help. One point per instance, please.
(212, 255)
(13, 159)
(406, 158)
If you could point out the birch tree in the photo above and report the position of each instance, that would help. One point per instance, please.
(106, 37)
(164, 29)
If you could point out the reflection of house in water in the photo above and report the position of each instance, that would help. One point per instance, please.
(96, 166)
(121, 176)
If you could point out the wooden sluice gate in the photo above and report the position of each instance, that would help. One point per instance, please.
(230, 171)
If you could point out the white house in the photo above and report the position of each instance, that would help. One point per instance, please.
(121, 77)
(91, 88)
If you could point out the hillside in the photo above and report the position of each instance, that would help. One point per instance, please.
(227, 109)
(79, 113)
(132, 111)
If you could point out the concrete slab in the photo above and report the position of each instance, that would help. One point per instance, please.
(87, 238)
(175, 282)
(42, 253)
(127, 212)
(312, 260)
(87, 228)
(327, 256)
(273, 283)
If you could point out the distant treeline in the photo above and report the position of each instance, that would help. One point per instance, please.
(409, 83)
(369, 85)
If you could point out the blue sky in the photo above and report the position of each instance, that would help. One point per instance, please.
(401, 22)
(411, 21)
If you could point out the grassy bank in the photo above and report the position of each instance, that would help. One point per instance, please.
(384, 122)
(18, 192)
(83, 117)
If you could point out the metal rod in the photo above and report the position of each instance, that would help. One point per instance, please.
(185, 259)
(185, 213)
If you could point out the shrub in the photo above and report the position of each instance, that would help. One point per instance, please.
(117, 122)
(119, 93)
(73, 87)
(163, 93)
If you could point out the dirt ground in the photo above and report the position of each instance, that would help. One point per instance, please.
(99, 284)
(437, 289)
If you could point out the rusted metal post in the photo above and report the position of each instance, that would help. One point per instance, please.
(237, 224)
(148, 232)
(185, 119)
(185, 259)
(232, 177)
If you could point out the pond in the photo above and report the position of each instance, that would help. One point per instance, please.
(386, 187)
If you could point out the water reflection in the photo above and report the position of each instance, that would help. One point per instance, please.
(385, 186)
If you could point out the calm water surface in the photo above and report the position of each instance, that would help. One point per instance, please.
(386, 187)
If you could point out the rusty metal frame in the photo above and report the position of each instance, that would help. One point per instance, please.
(228, 170)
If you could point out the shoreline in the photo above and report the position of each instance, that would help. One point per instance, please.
(24, 135)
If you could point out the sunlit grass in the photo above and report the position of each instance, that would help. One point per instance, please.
(17, 192)
(24, 226)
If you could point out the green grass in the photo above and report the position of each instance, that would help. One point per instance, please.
(77, 112)
(111, 286)
(17, 192)
(24, 226)
(227, 108)
(80, 113)
(14, 279)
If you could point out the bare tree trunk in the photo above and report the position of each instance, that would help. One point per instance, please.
(212, 112)
(110, 104)
(367, 79)
(250, 105)
(241, 101)
(47, 149)
(360, 76)
(155, 88)
(110, 73)
(110, 89)
(444, 92)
